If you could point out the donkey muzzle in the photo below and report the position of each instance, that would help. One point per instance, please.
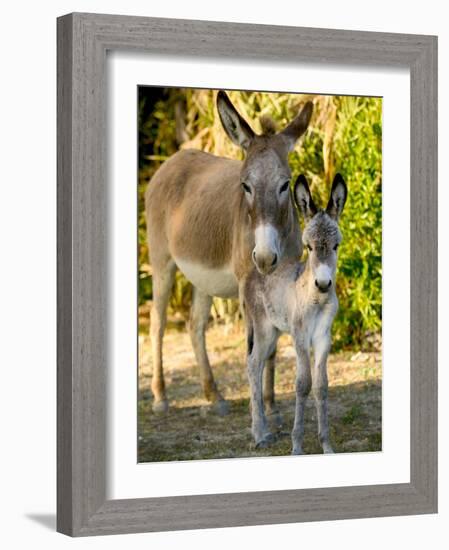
(266, 262)
(323, 277)
(266, 251)
(323, 286)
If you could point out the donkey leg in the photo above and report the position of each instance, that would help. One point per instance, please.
(258, 352)
(199, 316)
(303, 385)
(259, 425)
(163, 278)
(271, 408)
(320, 390)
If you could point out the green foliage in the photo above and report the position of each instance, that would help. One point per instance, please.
(345, 135)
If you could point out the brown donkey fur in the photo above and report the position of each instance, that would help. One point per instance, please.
(214, 219)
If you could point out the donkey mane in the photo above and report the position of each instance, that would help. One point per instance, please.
(268, 125)
(320, 225)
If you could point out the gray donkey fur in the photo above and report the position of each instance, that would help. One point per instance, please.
(298, 298)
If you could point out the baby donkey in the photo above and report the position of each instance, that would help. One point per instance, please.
(298, 298)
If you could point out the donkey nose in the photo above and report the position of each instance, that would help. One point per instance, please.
(265, 262)
(323, 286)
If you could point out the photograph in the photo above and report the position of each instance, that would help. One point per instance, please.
(260, 274)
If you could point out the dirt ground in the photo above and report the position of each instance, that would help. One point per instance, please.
(191, 430)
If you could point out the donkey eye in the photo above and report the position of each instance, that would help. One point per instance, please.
(284, 187)
(246, 187)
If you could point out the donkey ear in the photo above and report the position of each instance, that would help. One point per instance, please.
(303, 198)
(299, 125)
(236, 127)
(338, 196)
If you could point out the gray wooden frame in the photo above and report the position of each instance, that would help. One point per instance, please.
(83, 40)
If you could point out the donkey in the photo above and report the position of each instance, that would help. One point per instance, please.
(213, 217)
(298, 298)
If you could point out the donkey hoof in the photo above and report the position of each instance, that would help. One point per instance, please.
(221, 407)
(160, 407)
(267, 440)
(297, 451)
(327, 450)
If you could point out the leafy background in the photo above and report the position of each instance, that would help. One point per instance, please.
(345, 135)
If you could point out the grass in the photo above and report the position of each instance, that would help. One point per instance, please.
(191, 431)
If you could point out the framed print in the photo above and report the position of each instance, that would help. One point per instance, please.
(296, 170)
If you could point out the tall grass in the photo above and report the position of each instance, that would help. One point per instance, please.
(345, 135)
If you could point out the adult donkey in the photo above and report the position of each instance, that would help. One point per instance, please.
(212, 217)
